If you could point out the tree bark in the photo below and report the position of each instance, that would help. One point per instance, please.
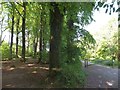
(23, 30)
(56, 21)
(17, 27)
(28, 42)
(35, 46)
(1, 34)
(12, 31)
(118, 56)
(40, 46)
(44, 44)
(69, 40)
(40, 39)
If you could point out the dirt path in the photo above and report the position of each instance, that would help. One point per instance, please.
(101, 77)
(30, 75)
(20, 75)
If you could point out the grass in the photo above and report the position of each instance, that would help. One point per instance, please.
(105, 62)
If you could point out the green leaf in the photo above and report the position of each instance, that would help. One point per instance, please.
(118, 10)
(118, 2)
(106, 11)
(100, 4)
(110, 12)
(111, 5)
(104, 5)
(97, 9)
(113, 9)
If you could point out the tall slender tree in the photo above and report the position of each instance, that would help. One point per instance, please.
(23, 30)
(12, 31)
(40, 39)
(17, 32)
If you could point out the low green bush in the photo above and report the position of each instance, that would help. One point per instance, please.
(72, 75)
(5, 50)
(45, 56)
(108, 62)
(98, 61)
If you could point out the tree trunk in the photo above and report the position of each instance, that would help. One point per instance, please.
(118, 56)
(1, 34)
(17, 27)
(12, 29)
(44, 27)
(40, 40)
(23, 30)
(1, 27)
(43, 40)
(35, 46)
(56, 21)
(69, 40)
(40, 46)
(28, 42)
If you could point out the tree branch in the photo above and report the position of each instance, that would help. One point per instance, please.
(19, 4)
(18, 12)
(2, 40)
(5, 29)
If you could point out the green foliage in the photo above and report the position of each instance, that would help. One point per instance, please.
(109, 6)
(37, 19)
(107, 51)
(5, 50)
(45, 56)
(107, 62)
(72, 75)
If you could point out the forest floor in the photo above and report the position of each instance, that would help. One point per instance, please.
(16, 74)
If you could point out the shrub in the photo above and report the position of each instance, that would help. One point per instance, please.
(45, 56)
(5, 50)
(108, 62)
(72, 75)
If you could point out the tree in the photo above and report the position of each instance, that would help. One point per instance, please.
(3, 27)
(23, 30)
(40, 39)
(17, 32)
(55, 36)
(12, 29)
